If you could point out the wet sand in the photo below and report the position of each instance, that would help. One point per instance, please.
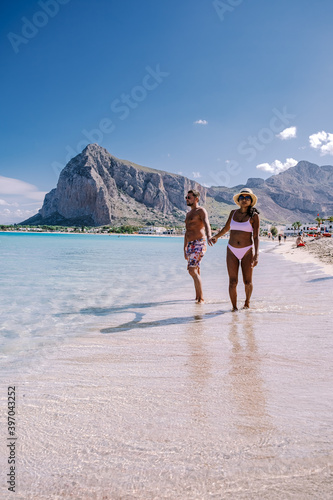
(173, 400)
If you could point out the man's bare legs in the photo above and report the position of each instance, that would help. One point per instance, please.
(195, 273)
(232, 266)
(247, 270)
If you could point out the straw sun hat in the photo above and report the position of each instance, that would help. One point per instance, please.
(246, 191)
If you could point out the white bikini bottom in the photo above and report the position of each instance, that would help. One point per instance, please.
(239, 252)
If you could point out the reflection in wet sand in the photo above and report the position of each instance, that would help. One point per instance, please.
(246, 383)
(199, 366)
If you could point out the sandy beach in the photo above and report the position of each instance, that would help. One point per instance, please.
(316, 251)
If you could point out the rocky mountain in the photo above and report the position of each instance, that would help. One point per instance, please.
(96, 188)
(299, 193)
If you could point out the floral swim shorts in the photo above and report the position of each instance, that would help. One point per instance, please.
(194, 252)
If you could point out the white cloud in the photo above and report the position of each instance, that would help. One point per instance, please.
(22, 199)
(287, 133)
(277, 166)
(322, 141)
(196, 175)
(13, 216)
(9, 186)
(201, 122)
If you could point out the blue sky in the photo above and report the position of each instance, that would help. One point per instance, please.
(202, 88)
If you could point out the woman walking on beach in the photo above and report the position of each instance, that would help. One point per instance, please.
(243, 224)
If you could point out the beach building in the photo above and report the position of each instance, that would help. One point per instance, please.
(153, 230)
(309, 227)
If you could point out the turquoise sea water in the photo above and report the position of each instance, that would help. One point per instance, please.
(50, 282)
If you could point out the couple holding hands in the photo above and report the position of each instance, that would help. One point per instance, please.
(243, 224)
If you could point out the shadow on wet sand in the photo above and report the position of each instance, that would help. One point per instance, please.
(137, 322)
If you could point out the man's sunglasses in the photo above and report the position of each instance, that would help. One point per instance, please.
(241, 197)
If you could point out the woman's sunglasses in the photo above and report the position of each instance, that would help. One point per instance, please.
(241, 197)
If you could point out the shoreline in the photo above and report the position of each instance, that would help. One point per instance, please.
(93, 234)
(319, 252)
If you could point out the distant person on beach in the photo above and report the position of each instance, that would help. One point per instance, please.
(243, 225)
(284, 237)
(300, 241)
(280, 238)
(197, 228)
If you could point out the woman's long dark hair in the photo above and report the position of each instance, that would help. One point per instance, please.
(252, 211)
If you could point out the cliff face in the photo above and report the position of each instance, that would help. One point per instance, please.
(95, 188)
(85, 189)
(160, 190)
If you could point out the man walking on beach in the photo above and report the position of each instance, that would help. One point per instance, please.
(197, 227)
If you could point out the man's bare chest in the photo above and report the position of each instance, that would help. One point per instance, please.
(193, 218)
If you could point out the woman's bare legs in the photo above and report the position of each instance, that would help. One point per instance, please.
(233, 267)
(247, 270)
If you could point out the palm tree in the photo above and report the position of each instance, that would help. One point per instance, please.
(296, 225)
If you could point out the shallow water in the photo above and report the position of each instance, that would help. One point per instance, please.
(49, 283)
(127, 389)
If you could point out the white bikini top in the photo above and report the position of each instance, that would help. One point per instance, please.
(240, 226)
